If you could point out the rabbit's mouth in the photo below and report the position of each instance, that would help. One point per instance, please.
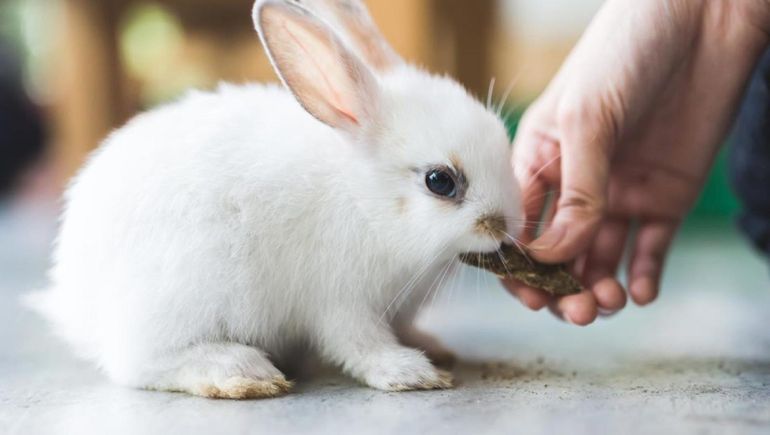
(512, 262)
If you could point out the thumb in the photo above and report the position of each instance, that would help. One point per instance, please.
(585, 147)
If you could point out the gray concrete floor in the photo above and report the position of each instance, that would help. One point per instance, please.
(698, 361)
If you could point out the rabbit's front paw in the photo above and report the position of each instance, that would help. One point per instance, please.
(406, 370)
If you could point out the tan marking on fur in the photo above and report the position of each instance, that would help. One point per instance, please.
(240, 388)
(401, 205)
(491, 225)
(445, 381)
(448, 206)
(457, 164)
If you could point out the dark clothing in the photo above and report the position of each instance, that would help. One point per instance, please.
(750, 158)
(21, 126)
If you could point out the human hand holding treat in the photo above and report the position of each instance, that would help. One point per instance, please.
(625, 135)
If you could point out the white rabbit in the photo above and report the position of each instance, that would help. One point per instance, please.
(205, 239)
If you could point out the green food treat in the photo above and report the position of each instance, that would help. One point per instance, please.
(512, 263)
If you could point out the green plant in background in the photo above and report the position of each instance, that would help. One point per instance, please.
(152, 48)
(25, 25)
(9, 25)
(717, 199)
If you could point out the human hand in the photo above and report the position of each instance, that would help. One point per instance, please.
(625, 135)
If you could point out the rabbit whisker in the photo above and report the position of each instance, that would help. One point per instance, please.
(502, 260)
(543, 168)
(490, 91)
(432, 284)
(516, 107)
(412, 282)
(507, 94)
(438, 288)
(538, 197)
(520, 220)
(478, 279)
(518, 243)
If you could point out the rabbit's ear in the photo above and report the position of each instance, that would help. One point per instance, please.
(330, 82)
(352, 19)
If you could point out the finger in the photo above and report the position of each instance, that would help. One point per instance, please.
(537, 171)
(547, 161)
(540, 216)
(585, 166)
(646, 265)
(546, 215)
(533, 200)
(533, 149)
(579, 309)
(601, 268)
(608, 292)
(536, 157)
(577, 266)
(533, 299)
(607, 250)
(550, 214)
(610, 295)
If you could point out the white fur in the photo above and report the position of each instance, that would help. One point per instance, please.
(208, 237)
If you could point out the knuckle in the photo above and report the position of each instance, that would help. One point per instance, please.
(657, 254)
(593, 122)
(576, 111)
(570, 116)
(583, 203)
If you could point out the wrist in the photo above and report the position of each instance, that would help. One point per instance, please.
(762, 15)
(738, 29)
(748, 20)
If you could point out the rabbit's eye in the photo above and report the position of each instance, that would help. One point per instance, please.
(441, 182)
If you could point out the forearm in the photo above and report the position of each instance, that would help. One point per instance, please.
(757, 15)
(742, 24)
(637, 48)
(738, 31)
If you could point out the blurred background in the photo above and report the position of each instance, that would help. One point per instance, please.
(72, 70)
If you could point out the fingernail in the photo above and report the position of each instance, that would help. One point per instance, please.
(643, 291)
(549, 240)
(568, 319)
(603, 312)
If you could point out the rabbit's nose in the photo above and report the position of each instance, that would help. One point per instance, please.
(492, 225)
